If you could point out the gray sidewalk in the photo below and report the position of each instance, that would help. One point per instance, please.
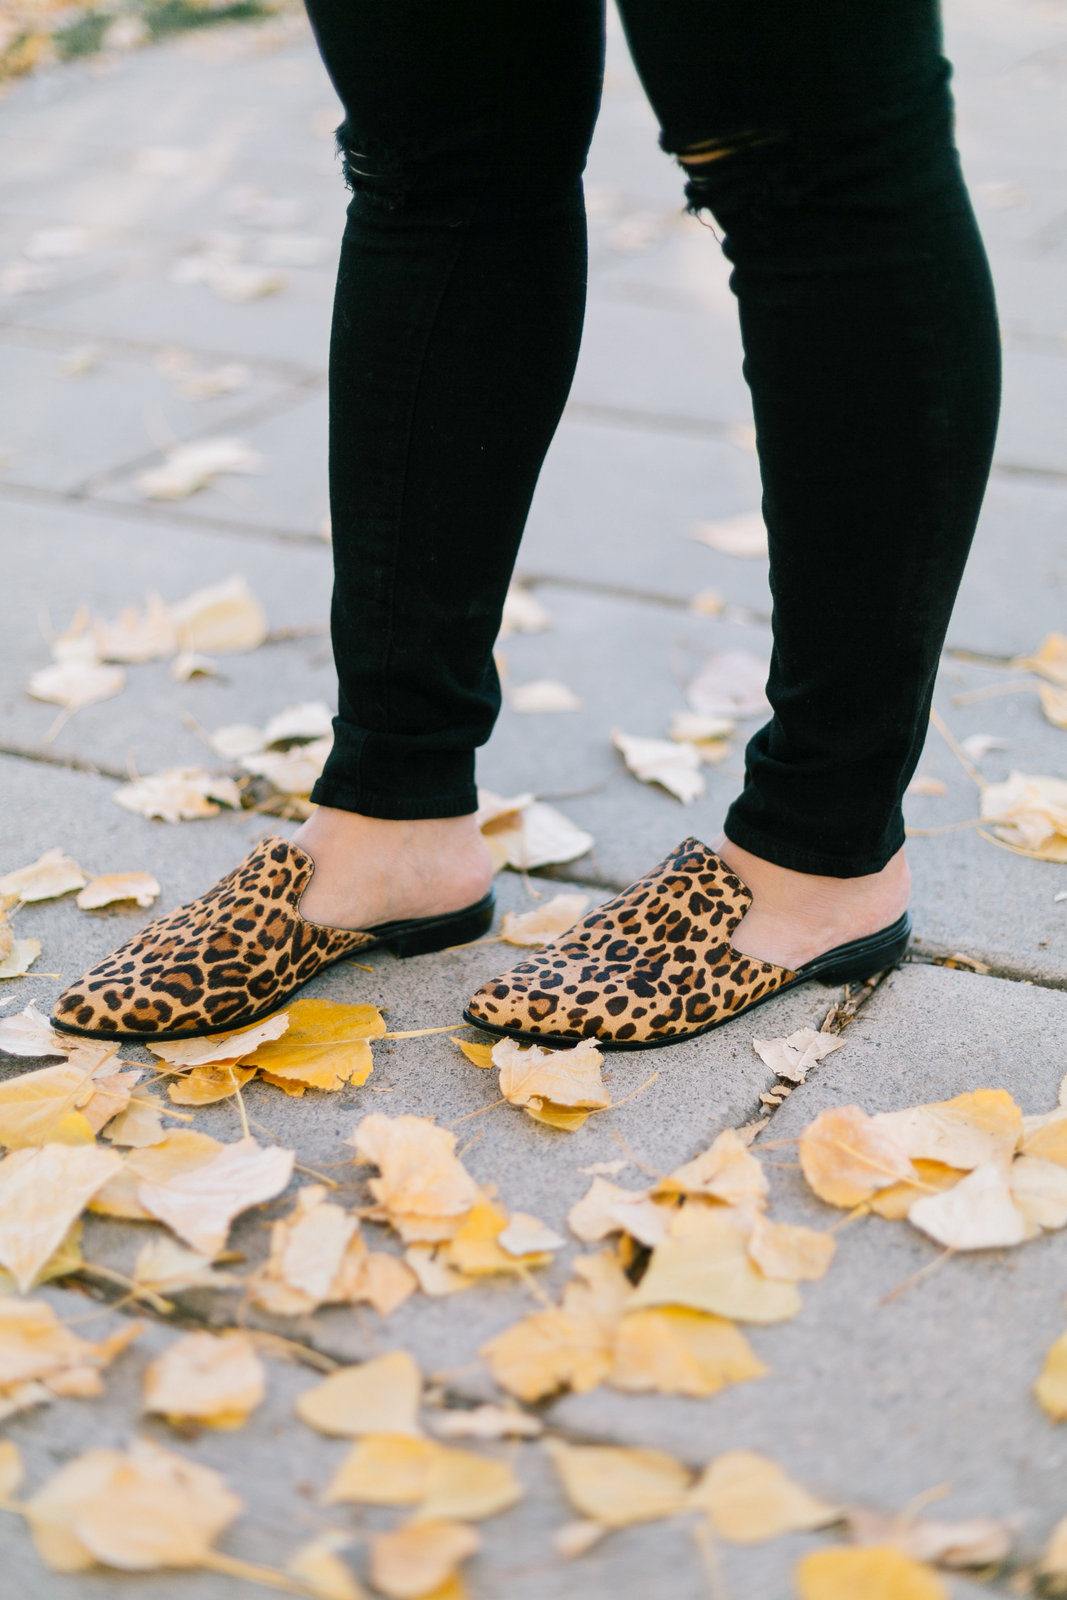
(867, 1402)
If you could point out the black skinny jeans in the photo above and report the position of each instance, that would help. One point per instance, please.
(871, 351)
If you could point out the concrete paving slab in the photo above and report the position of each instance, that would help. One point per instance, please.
(875, 1402)
(57, 430)
(95, 558)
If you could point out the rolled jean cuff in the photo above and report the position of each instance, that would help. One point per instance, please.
(801, 856)
(399, 778)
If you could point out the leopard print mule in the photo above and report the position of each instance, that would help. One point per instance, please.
(655, 965)
(236, 954)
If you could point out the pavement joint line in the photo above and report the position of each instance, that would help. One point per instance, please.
(263, 411)
(111, 344)
(924, 954)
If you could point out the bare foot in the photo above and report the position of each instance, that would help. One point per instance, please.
(796, 916)
(369, 871)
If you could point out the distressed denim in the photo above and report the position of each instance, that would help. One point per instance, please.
(871, 351)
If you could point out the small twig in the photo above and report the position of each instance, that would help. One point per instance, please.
(917, 1277)
(1016, 849)
(615, 1104)
(239, 1097)
(945, 827)
(299, 1166)
(268, 1577)
(709, 1560)
(420, 1033)
(969, 697)
(481, 1110)
(953, 743)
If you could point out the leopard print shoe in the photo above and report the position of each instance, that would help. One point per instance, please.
(655, 965)
(236, 954)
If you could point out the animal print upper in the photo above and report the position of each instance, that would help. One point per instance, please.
(225, 959)
(654, 963)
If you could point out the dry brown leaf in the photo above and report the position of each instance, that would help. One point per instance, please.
(846, 1157)
(781, 1250)
(673, 1350)
(673, 764)
(744, 536)
(200, 1204)
(41, 1357)
(931, 1177)
(378, 1396)
(730, 684)
(435, 1275)
(29, 1034)
(726, 1171)
(523, 613)
(748, 1498)
(606, 1208)
(525, 834)
(75, 683)
(792, 1058)
(877, 1572)
(537, 927)
(418, 1561)
(325, 1046)
(179, 794)
(20, 957)
(307, 1255)
(1030, 813)
(703, 1263)
(924, 784)
(138, 1510)
(294, 771)
(140, 887)
(536, 1079)
(423, 1187)
(164, 1266)
(180, 1151)
(978, 1213)
(487, 1422)
(135, 635)
(977, 1542)
(616, 1486)
(984, 1125)
(42, 1191)
(542, 695)
(318, 1565)
(184, 470)
(234, 1046)
(205, 1086)
(1054, 704)
(51, 875)
(1049, 660)
(1039, 1189)
(528, 1236)
(216, 1380)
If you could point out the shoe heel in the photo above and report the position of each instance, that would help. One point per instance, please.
(865, 964)
(460, 929)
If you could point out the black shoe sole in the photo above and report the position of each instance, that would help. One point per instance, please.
(846, 963)
(421, 936)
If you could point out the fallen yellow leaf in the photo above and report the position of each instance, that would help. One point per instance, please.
(1050, 1388)
(748, 1498)
(875, 1572)
(204, 1086)
(606, 1208)
(931, 1177)
(140, 887)
(423, 1188)
(978, 1213)
(727, 1171)
(1049, 659)
(138, 1126)
(11, 1472)
(43, 1107)
(1039, 1189)
(396, 1469)
(307, 1254)
(325, 1046)
(781, 1250)
(1030, 813)
(318, 1564)
(182, 1150)
(221, 619)
(479, 1055)
(217, 1380)
(199, 1205)
(1054, 704)
(793, 1057)
(136, 1510)
(672, 1350)
(41, 1357)
(42, 1191)
(846, 1157)
(20, 957)
(416, 1562)
(672, 763)
(164, 1266)
(475, 1248)
(1045, 1138)
(179, 794)
(984, 1125)
(703, 1263)
(135, 636)
(378, 1396)
(548, 1351)
(617, 1486)
(222, 1047)
(531, 1077)
(487, 1422)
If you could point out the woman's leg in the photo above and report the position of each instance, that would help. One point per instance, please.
(819, 136)
(459, 306)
